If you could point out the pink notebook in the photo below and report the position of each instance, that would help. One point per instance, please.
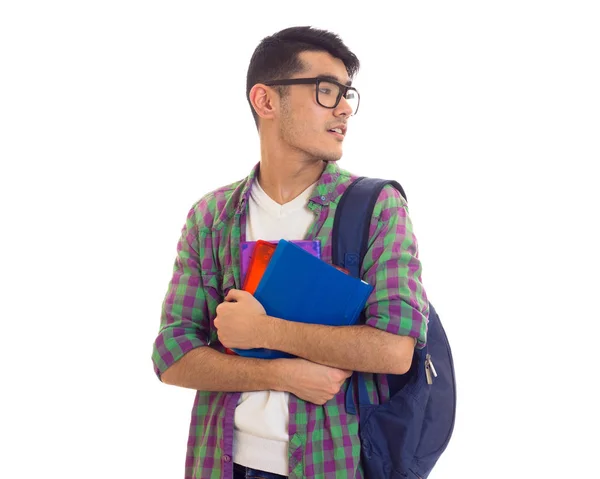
(247, 249)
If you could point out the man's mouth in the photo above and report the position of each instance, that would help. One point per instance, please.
(339, 132)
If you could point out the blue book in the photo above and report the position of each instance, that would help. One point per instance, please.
(298, 286)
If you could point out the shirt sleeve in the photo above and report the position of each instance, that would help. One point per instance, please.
(184, 320)
(398, 303)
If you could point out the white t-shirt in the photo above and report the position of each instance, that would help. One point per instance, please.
(261, 417)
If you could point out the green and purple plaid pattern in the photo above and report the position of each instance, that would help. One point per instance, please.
(324, 441)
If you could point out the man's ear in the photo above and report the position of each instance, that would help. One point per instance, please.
(264, 100)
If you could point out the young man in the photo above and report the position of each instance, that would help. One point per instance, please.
(286, 417)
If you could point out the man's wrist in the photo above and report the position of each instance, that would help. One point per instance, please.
(272, 332)
(276, 373)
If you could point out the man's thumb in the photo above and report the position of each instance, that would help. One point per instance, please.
(233, 295)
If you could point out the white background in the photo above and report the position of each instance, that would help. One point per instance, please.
(116, 116)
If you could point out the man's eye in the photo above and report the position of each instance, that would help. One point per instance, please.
(325, 91)
(350, 95)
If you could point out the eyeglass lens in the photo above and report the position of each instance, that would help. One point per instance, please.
(327, 94)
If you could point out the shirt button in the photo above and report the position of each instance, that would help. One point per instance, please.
(323, 198)
(226, 458)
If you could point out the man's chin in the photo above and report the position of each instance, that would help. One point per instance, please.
(332, 157)
(326, 155)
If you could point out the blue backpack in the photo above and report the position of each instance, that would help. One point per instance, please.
(404, 437)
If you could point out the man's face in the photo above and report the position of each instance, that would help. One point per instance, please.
(305, 125)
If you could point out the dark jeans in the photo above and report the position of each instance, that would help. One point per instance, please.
(243, 472)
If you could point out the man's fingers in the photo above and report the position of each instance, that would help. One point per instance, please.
(236, 295)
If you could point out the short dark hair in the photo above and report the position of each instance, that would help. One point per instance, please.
(276, 56)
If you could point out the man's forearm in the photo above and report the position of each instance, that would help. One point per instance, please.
(356, 348)
(206, 369)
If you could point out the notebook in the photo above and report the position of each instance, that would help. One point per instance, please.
(255, 256)
(248, 247)
(298, 286)
(261, 256)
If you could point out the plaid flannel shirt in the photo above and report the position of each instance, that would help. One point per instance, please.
(323, 440)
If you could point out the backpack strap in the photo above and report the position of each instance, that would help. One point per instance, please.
(350, 239)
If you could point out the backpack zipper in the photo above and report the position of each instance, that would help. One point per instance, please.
(429, 369)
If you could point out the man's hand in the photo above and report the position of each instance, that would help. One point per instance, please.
(310, 381)
(241, 321)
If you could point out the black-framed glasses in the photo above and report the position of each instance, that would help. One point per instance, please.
(329, 91)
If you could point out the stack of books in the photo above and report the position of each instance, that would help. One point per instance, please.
(292, 282)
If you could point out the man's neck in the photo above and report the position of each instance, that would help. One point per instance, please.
(283, 179)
